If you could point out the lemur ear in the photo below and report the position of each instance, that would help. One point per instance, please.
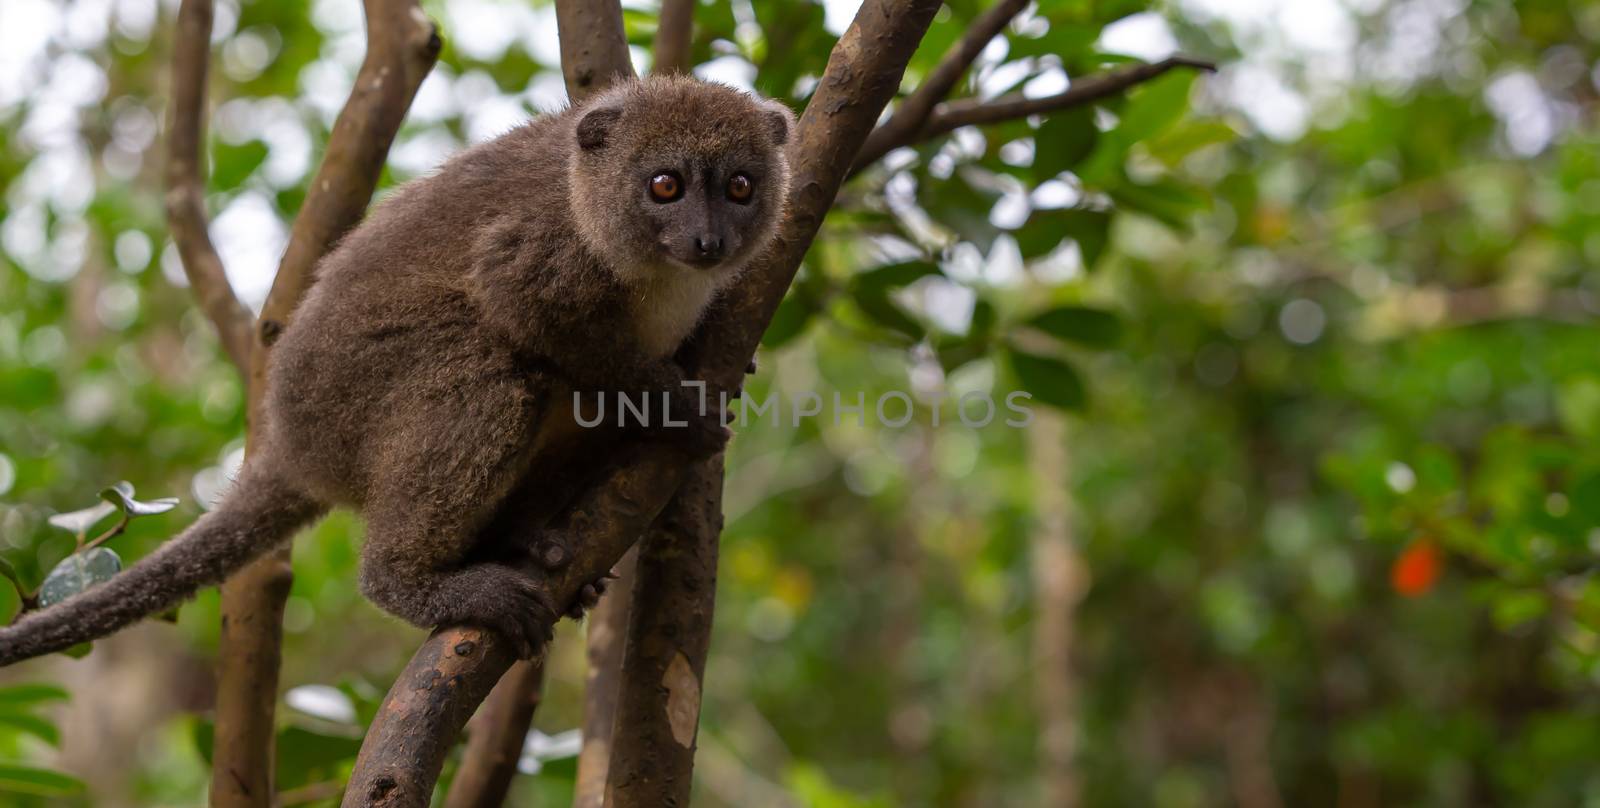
(780, 121)
(595, 125)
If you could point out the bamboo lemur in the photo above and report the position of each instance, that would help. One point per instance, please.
(579, 249)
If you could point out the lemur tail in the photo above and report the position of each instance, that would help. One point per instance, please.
(261, 512)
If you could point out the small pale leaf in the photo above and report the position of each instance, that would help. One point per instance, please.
(121, 495)
(77, 522)
(78, 572)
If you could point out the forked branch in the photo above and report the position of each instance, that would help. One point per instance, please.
(912, 113)
(455, 668)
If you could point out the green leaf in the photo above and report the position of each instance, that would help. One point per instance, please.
(1095, 328)
(121, 495)
(1175, 144)
(34, 725)
(232, 165)
(790, 321)
(1166, 202)
(880, 309)
(1048, 379)
(40, 782)
(1158, 104)
(895, 276)
(1044, 230)
(1064, 140)
(78, 572)
(30, 694)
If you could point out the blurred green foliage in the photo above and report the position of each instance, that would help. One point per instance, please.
(1325, 322)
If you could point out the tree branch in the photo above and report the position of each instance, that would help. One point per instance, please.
(594, 46)
(186, 184)
(912, 114)
(674, 36)
(402, 45)
(455, 668)
(495, 738)
(953, 115)
(607, 630)
(669, 635)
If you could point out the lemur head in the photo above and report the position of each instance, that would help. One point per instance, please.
(675, 175)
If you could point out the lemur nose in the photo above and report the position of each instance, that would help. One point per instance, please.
(708, 246)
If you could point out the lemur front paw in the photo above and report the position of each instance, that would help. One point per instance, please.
(513, 603)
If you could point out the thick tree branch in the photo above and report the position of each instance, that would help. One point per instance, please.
(186, 183)
(495, 738)
(669, 635)
(607, 631)
(912, 113)
(455, 668)
(674, 36)
(594, 46)
(953, 115)
(402, 45)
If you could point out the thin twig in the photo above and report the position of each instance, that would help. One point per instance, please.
(953, 115)
(912, 113)
(115, 531)
(185, 181)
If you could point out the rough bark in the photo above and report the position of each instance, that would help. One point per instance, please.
(1059, 581)
(669, 634)
(495, 738)
(423, 713)
(674, 36)
(607, 630)
(402, 46)
(594, 46)
(953, 115)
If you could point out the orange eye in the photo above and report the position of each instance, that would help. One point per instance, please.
(740, 188)
(665, 187)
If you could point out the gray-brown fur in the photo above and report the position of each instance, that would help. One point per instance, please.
(417, 372)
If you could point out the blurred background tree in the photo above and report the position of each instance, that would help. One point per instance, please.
(1320, 528)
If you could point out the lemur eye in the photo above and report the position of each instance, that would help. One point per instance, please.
(665, 187)
(740, 188)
